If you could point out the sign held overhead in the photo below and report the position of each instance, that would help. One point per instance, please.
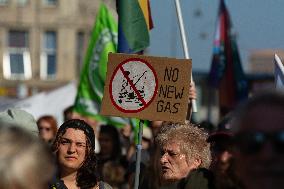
(145, 87)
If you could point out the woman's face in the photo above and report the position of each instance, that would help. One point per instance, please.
(106, 144)
(174, 163)
(45, 131)
(72, 150)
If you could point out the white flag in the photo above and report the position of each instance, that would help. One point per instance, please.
(278, 73)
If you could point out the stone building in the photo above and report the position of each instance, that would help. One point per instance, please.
(43, 42)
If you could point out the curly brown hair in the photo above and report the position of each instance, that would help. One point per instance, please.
(192, 140)
(86, 174)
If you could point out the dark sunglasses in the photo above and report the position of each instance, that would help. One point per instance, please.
(44, 128)
(252, 142)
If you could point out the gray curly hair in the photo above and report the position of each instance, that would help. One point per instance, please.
(191, 139)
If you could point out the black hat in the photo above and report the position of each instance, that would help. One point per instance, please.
(223, 131)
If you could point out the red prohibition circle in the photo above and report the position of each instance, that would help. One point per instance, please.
(112, 78)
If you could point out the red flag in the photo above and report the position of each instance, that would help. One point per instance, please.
(226, 72)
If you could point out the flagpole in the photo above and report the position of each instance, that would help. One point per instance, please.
(138, 154)
(185, 47)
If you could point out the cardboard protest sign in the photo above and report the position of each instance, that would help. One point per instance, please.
(145, 87)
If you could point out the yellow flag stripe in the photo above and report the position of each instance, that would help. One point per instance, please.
(144, 6)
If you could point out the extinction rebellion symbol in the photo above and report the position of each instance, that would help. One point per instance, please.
(133, 85)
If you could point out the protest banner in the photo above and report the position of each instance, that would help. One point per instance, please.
(145, 87)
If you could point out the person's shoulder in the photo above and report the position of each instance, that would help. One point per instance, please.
(57, 184)
(198, 179)
(104, 185)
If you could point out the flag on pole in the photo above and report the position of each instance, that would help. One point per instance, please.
(134, 23)
(91, 87)
(278, 73)
(226, 73)
(145, 6)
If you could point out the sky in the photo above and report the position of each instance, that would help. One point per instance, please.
(258, 24)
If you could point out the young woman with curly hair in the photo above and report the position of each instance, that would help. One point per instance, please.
(74, 147)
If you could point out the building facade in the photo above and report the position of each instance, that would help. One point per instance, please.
(43, 42)
(261, 69)
(262, 61)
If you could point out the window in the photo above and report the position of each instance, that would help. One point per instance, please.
(80, 51)
(50, 2)
(3, 2)
(22, 2)
(48, 56)
(16, 60)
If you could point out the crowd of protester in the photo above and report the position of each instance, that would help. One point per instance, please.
(244, 151)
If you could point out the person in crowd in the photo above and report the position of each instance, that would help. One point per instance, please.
(222, 165)
(147, 144)
(221, 144)
(113, 174)
(259, 135)
(184, 156)
(147, 139)
(110, 147)
(150, 175)
(20, 118)
(74, 147)
(149, 171)
(126, 138)
(207, 126)
(47, 127)
(25, 161)
(155, 127)
(67, 113)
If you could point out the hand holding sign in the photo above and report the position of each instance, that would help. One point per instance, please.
(192, 96)
(192, 91)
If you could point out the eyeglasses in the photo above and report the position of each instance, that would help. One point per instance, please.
(252, 142)
(44, 128)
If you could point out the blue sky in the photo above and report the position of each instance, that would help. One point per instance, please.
(258, 23)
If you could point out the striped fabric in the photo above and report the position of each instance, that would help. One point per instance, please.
(134, 22)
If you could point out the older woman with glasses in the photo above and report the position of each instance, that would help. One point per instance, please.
(47, 127)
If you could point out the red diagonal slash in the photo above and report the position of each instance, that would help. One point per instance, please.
(132, 85)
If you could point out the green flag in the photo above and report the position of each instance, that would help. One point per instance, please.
(93, 75)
